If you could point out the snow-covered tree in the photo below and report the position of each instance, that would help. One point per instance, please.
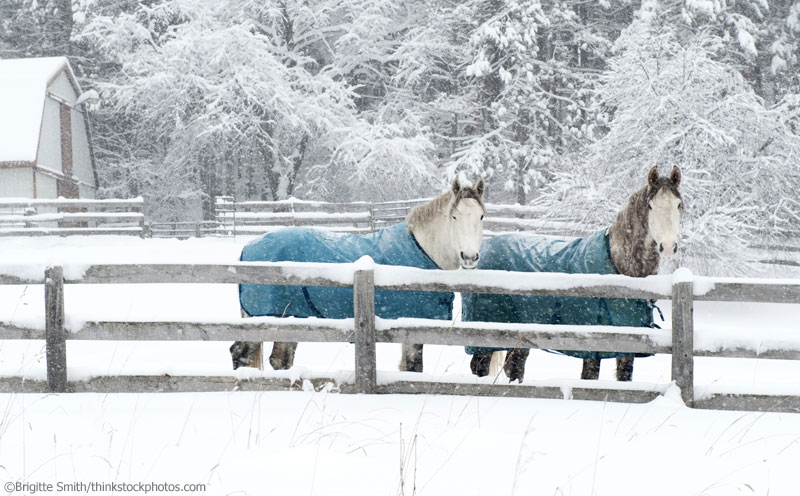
(670, 101)
(382, 161)
(38, 27)
(760, 36)
(220, 97)
(507, 85)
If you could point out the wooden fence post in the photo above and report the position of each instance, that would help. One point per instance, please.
(683, 339)
(55, 337)
(371, 217)
(364, 312)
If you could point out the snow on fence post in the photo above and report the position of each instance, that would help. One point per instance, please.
(55, 337)
(364, 313)
(683, 334)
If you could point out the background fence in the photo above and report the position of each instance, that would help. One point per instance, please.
(22, 217)
(88, 217)
(365, 330)
(259, 217)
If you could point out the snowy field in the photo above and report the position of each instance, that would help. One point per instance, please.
(324, 443)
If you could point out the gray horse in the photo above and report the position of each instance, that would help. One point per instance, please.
(644, 230)
(443, 233)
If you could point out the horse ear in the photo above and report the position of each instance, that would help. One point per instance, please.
(456, 186)
(652, 177)
(480, 187)
(675, 176)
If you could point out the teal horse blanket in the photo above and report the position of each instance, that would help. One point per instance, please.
(393, 245)
(525, 252)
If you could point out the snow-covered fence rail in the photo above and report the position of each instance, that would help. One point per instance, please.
(23, 217)
(251, 217)
(183, 229)
(256, 217)
(365, 330)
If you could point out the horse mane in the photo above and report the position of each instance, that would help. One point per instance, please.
(630, 255)
(423, 214)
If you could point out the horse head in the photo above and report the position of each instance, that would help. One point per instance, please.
(466, 222)
(664, 206)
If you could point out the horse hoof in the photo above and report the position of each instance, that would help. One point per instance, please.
(625, 369)
(241, 354)
(515, 364)
(278, 364)
(591, 369)
(480, 364)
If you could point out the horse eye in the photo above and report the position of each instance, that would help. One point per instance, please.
(454, 217)
(481, 217)
(650, 206)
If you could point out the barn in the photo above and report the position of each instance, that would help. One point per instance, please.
(45, 138)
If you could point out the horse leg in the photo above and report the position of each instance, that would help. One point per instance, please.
(246, 354)
(625, 368)
(480, 364)
(282, 356)
(498, 359)
(591, 368)
(411, 358)
(515, 364)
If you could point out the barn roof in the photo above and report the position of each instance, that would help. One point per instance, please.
(23, 89)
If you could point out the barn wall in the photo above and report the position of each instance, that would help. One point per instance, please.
(81, 157)
(62, 87)
(52, 152)
(16, 183)
(87, 192)
(50, 138)
(46, 186)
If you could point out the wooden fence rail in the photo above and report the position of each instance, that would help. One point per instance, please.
(22, 217)
(365, 330)
(255, 217)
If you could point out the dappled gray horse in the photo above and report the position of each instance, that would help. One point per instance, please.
(644, 230)
(443, 233)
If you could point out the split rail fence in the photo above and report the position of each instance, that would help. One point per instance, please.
(365, 330)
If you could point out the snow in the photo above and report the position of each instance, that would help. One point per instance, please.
(23, 87)
(326, 443)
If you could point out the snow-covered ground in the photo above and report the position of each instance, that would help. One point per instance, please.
(305, 442)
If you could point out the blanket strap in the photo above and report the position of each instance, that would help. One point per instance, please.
(311, 305)
(652, 304)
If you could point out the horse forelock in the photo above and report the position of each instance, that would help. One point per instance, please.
(663, 183)
(467, 194)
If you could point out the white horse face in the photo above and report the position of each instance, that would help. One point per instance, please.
(466, 225)
(665, 217)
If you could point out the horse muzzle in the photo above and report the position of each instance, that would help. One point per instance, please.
(668, 249)
(469, 261)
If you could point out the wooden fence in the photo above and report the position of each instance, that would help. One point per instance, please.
(21, 217)
(183, 230)
(256, 217)
(365, 330)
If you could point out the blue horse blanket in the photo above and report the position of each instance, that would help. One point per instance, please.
(393, 245)
(533, 253)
